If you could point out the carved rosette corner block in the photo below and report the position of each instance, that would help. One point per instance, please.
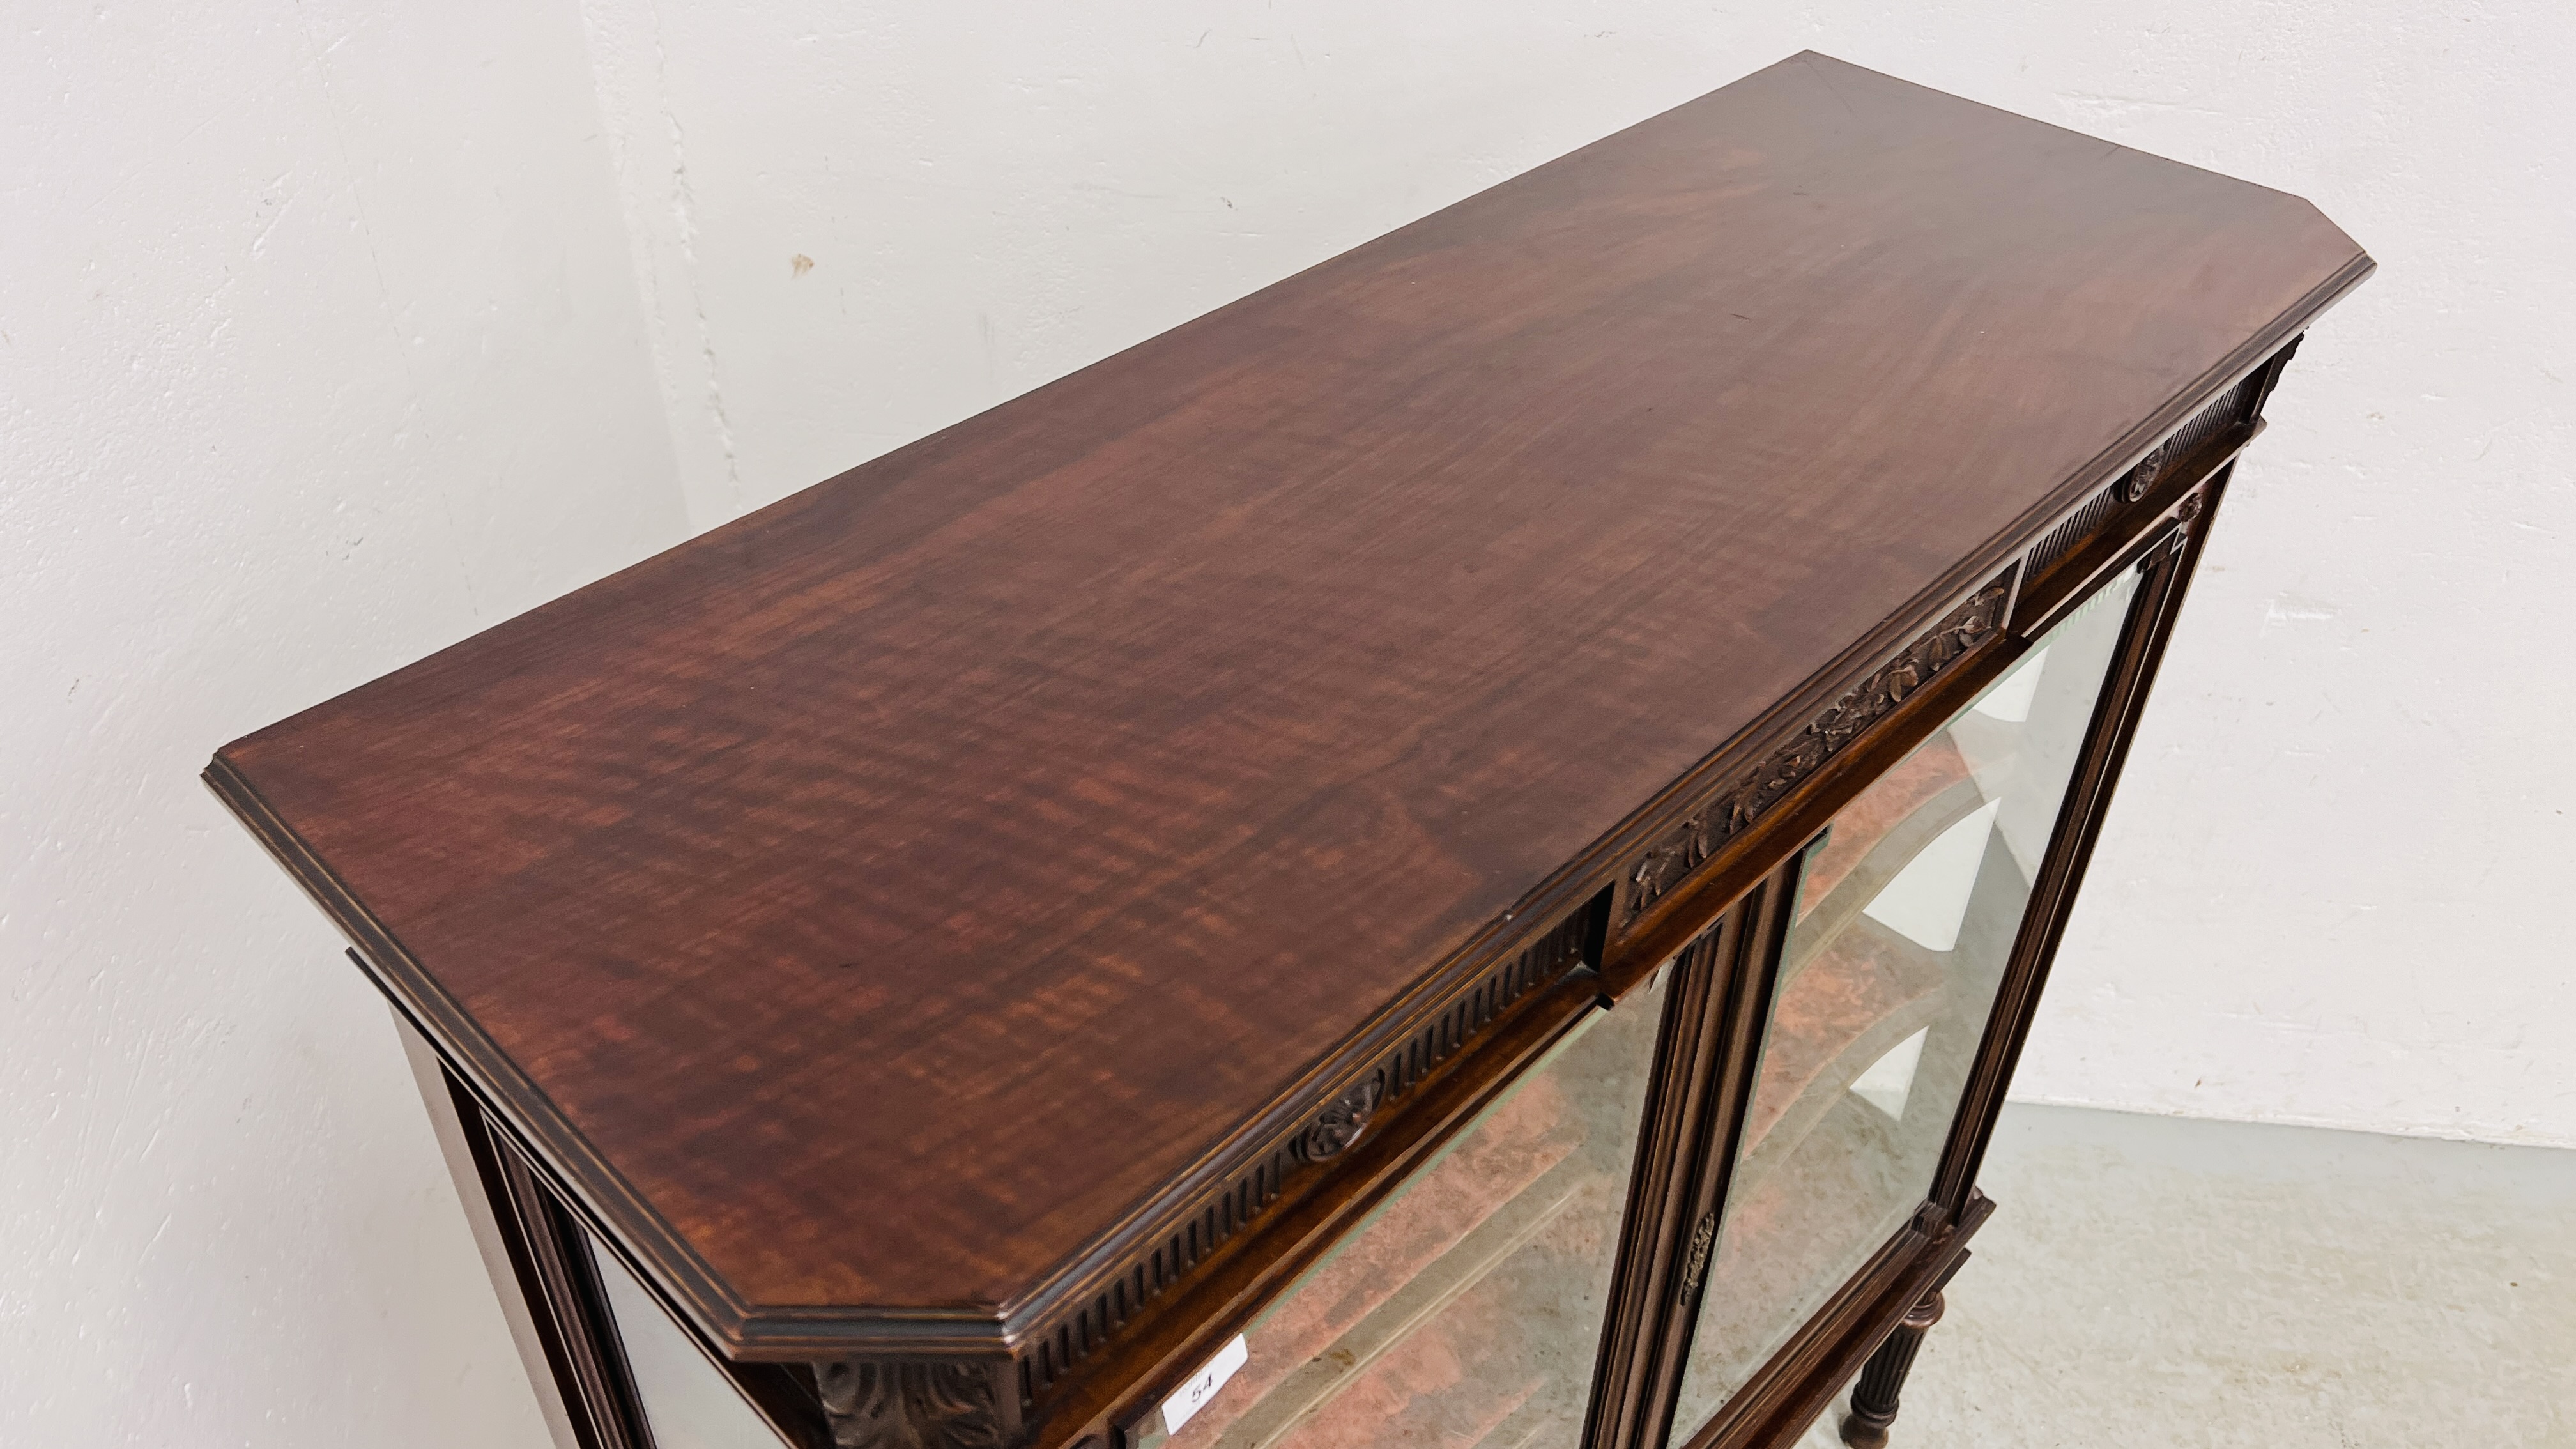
(2143, 476)
(1343, 1120)
(930, 1405)
(1698, 835)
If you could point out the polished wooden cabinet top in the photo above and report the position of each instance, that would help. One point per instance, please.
(871, 904)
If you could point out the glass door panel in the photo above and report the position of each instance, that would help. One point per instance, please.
(688, 1402)
(1905, 918)
(1468, 1309)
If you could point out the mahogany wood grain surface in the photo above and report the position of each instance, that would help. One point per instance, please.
(899, 885)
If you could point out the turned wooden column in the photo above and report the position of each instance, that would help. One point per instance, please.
(1874, 1395)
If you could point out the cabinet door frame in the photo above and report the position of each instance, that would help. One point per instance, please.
(1640, 1378)
(1677, 1193)
(537, 1245)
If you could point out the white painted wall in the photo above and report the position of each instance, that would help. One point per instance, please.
(2336, 890)
(322, 344)
(319, 348)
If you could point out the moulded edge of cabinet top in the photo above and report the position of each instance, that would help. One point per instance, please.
(873, 904)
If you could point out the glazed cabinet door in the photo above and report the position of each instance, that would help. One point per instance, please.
(1907, 912)
(1883, 1005)
(1469, 1308)
(1738, 1140)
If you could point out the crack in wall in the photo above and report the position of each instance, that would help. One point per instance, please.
(685, 223)
(658, 199)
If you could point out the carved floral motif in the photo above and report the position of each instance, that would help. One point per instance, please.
(1703, 1238)
(2143, 476)
(910, 1405)
(1698, 835)
(1340, 1124)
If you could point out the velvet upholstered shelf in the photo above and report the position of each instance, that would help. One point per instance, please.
(958, 946)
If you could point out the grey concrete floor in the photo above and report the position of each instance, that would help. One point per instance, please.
(2160, 1283)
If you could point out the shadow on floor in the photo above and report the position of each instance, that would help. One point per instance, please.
(2166, 1283)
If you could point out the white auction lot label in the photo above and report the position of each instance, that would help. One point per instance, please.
(1203, 1385)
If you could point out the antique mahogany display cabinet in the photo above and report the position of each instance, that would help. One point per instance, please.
(1457, 852)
